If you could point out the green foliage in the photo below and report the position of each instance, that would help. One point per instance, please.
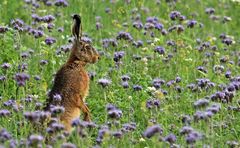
(222, 127)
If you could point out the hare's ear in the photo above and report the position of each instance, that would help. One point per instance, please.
(77, 27)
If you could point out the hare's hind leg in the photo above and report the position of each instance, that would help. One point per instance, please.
(87, 116)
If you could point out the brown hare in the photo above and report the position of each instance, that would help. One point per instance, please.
(71, 81)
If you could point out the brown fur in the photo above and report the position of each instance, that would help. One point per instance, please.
(72, 83)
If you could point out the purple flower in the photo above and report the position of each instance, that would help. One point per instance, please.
(152, 20)
(158, 26)
(232, 144)
(151, 103)
(170, 83)
(82, 124)
(104, 82)
(171, 138)
(138, 43)
(24, 55)
(178, 79)
(68, 145)
(108, 10)
(4, 113)
(214, 108)
(22, 67)
(48, 3)
(182, 18)
(125, 84)
(48, 18)
(107, 42)
(170, 43)
(56, 110)
(124, 35)
(92, 75)
(186, 119)
(227, 41)
(157, 82)
(50, 26)
(118, 55)
(129, 127)
(98, 25)
(151, 131)
(4, 135)
(164, 32)
(59, 3)
(172, 28)
(174, 15)
(110, 107)
(137, 87)
(43, 62)
(36, 33)
(192, 137)
(6, 66)
(32, 116)
(201, 103)
(231, 88)
(148, 26)
(18, 24)
(160, 50)
(35, 139)
(9, 103)
(86, 39)
(179, 28)
(60, 29)
(138, 25)
(57, 98)
(117, 134)
(125, 78)
(186, 130)
(21, 78)
(191, 23)
(101, 133)
(50, 40)
(210, 10)
(3, 29)
(115, 113)
(56, 127)
(200, 115)
(37, 77)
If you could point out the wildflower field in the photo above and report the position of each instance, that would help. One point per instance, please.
(168, 76)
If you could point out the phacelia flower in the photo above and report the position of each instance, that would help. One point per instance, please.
(21, 78)
(160, 50)
(4, 113)
(50, 40)
(59, 3)
(174, 15)
(137, 87)
(114, 112)
(125, 36)
(4, 135)
(118, 55)
(191, 23)
(201, 103)
(171, 138)
(68, 145)
(151, 131)
(104, 82)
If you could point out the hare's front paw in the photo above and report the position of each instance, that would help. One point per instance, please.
(87, 117)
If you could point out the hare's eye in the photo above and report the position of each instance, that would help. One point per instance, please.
(87, 46)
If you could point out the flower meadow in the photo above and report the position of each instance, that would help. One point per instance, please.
(169, 73)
